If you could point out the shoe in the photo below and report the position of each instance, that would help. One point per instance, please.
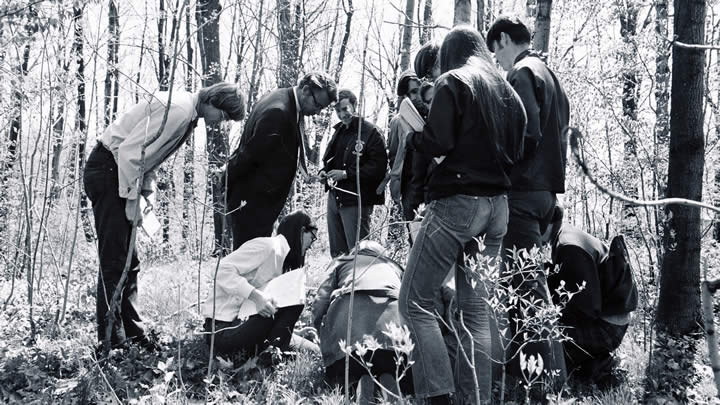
(148, 344)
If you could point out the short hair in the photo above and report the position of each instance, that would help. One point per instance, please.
(347, 94)
(425, 59)
(291, 226)
(320, 81)
(511, 25)
(404, 82)
(225, 96)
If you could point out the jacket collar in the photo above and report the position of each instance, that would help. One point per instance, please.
(526, 53)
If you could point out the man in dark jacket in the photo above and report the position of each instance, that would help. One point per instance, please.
(340, 171)
(261, 170)
(540, 174)
(598, 316)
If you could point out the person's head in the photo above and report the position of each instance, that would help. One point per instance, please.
(554, 226)
(465, 57)
(409, 86)
(507, 38)
(345, 106)
(370, 248)
(221, 101)
(426, 66)
(462, 43)
(300, 232)
(315, 92)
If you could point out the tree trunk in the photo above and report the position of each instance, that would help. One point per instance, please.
(427, 23)
(217, 139)
(289, 35)
(165, 180)
(407, 31)
(463, 12)
(111, 76)
(628, 11)
(256, 72)
(189, 158)
(80, 122)
(346, 37)
(480, 14)
(541, 40)
(662, 116)
(679, 302)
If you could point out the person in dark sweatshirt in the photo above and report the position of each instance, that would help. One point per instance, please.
(597, 317)
(474, 132)
(540, 175)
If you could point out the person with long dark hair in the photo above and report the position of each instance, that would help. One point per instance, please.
(474, 131)
(242, 275)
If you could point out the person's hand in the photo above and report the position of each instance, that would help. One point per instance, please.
(149, 197)
(265, 306)
(131, 211)
(337, 175)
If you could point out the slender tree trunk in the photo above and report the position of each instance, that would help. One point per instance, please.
(678, 310)
(541, 40)
(662, 97)
(80, 122)
(427, 23)
(289, 45)
(165, 178)
(189, 158)
(257, 59)
(463, 12)
(331, 46)
(628, 11)
(208, 12)
(480, 14)
(407, 31)
(346, 37)
(111, 76)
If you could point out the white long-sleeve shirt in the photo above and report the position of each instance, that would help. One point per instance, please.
(140, 124)
(251, 266)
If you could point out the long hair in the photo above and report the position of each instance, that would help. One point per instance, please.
(465, 56)
(292, 227)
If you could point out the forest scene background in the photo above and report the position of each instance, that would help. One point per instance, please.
(67, 68)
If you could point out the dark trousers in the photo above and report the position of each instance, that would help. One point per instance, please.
(530, 214)
(588, 354)
(256, 333)
(113, 230)
(342, 224)
(382, 361)
(255, 219)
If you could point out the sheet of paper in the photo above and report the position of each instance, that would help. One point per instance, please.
(411, 115)
(286, 289)
(150, 223)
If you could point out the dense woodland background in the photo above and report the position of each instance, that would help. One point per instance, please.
(642, 77)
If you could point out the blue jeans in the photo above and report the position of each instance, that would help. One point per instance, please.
(450, 224)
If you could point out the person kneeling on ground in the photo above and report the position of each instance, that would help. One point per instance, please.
(242, 275)
(377, 283)
(598, 316)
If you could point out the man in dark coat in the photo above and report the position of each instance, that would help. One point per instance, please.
(340, 170)
(261, 170)
(540, 174)
(598, 316)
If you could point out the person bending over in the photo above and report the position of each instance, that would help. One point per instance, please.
(242, 275)
(377, 283)
(111, 178)
(598, 316)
